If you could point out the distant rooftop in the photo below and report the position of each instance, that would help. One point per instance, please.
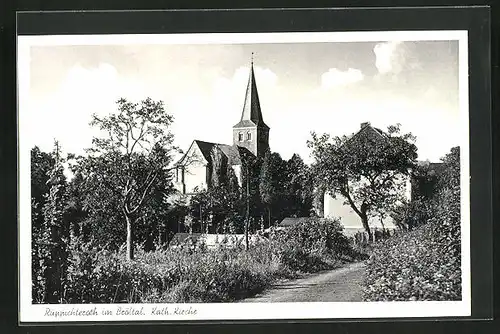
(292, 221)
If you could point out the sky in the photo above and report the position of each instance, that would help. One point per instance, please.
(322, 87)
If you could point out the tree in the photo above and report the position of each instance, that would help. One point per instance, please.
(41, 165)
(286, 187)
(300, 187)
(367, 169)
(448, 208)
(132, 155)
(267, 187)
(54, 232)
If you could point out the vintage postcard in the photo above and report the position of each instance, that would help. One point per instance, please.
(244, 176)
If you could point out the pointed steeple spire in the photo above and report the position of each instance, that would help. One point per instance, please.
(251, 114)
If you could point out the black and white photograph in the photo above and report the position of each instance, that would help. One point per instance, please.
(232, 176)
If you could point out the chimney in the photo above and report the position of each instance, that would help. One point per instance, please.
(364, 124)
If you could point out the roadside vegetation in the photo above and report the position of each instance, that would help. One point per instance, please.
(423, 263)
(194, 273)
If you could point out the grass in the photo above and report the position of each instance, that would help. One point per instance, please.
(198, 274)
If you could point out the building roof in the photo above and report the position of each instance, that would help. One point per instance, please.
(230, 151)
(292, 221)
(251, 114)
(365, 129)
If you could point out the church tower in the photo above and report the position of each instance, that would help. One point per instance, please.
(251, 132)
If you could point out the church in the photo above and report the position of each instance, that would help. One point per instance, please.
(195, 169)
(250, 136)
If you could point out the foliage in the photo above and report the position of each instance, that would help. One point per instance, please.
(41, 165)
(127, 162)
(367, 169)
(50, 237)
(425, 263)
(214, 209)
(187, 274)
(286, 187)
(312, 245)
(411, 214)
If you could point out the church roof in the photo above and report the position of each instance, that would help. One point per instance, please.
(251, 114)
(231, 152)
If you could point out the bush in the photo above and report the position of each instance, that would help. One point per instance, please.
(311, 246)
(412, 266)
(199, 274)
(164, 276)
(425, 263)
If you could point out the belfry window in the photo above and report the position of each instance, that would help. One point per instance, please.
(249, 136)
(240, 136)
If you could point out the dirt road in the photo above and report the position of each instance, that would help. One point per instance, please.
(338, 285)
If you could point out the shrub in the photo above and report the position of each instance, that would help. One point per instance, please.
(425, 263)
(198, 274)
(312, 245)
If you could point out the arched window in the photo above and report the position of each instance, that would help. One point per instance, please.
(240, 136)
(249, 136)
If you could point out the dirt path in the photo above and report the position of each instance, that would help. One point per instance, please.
(338, 285)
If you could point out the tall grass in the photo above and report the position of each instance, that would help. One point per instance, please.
(204, 275)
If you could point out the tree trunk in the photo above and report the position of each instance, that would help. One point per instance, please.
(130, 238)
(364, 221)
(269, 216)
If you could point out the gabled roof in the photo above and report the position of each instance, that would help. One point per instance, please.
(366, 127)
(251, 114)
(205, 148)
(230, 151)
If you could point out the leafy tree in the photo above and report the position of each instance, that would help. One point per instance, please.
(131, 156)
(286, 187)
(299, 186)
(250, 193)
(367, 169)
(41, 165)
(424, 181)
(448, 211)
(74, 212)
(216, 207)
(101, 202)
(267, 187)
(54, 233)
(450, 175)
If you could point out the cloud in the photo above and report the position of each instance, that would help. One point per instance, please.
(394, 57)
(335, 77)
